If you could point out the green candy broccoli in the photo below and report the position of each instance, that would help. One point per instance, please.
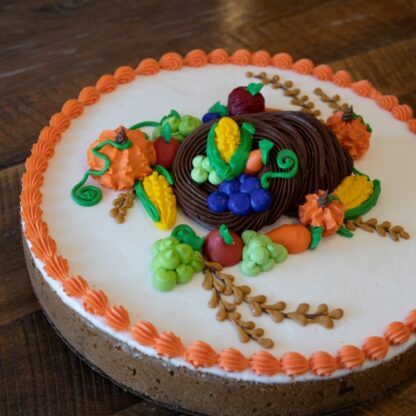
(260, 254)
(174, 262)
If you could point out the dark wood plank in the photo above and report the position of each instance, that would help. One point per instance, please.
(62, 47)
(16, 294)
(42, 376)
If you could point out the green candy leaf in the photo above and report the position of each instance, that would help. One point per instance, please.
(316, 234)
(265, 147)
(164, 172)
(166, 132)
(254, 87)
(345, 232)
(219, 108)
(185, 234)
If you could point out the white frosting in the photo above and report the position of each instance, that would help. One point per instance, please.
(371, 278)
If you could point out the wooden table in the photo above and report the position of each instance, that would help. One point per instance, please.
(51, 49)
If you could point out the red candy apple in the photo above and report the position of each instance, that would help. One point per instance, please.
(166, 147)
(223, 246)
(246, 100)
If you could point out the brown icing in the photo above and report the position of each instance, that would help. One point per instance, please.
(322, 165)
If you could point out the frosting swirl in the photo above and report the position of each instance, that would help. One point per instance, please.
(322, 165)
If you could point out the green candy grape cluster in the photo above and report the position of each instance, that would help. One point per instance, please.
(174, 262)
(203, 171)
(181, 127)
(260, 254)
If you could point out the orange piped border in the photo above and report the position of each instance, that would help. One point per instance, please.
(198, 354)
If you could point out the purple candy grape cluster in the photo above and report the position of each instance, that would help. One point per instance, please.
(240, 196)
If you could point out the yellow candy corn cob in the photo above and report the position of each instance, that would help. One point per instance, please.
(161, 194)
(227, 137)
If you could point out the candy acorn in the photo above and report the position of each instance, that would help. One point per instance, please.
(246, 100)
(223, 246)
(166, 147)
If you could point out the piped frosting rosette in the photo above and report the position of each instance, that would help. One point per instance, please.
(322, 164)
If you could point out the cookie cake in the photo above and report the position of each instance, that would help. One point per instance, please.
(229, 233)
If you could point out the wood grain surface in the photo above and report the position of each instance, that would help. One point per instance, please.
(50, 49)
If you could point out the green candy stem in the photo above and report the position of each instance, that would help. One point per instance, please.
(185, 234)
(144, 124)
(166, 133)
(265, 147)
(316, 234)
(219, 108)
(286, 159)
(88, 196)
(254, 87)
(147, 203)
(226, 236)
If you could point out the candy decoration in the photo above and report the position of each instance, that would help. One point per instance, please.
(236, 164)
(166, 147)
(260, 254)
(210, 116)
(185, 234)
(296, 238)
(354, 190)
(162, 197)
(223, 246)
(132, 163)
(240, 196)
(174, 262)
(320, 211)
(364, 207)
(90, 195)
(227, 137)
(202, 171)
(246, 100)
(217, 201)
(351, 131)
(254, 163)
(239, 204)
(286, 159)
(181, 126)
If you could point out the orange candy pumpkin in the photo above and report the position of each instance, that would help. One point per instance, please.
(320, 211)
(128, 165)
(351, 131)
(296, 238)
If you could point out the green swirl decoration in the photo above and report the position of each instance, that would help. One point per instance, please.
(90, 195)
(286, 159)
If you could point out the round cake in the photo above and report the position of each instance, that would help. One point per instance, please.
(229, 234)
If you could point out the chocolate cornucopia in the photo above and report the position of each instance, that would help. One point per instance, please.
(323, 164)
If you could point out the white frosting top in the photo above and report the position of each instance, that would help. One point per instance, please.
(371, 278)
